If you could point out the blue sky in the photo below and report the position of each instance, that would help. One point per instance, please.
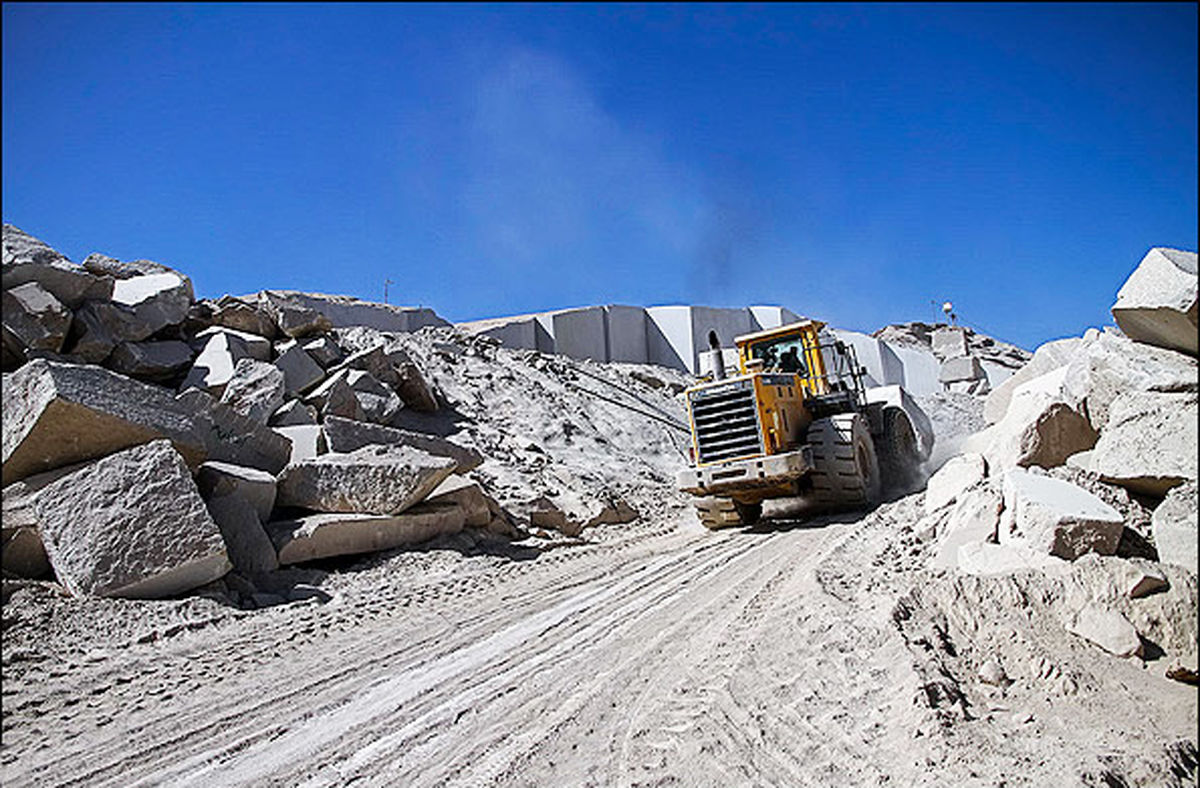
(852, 162)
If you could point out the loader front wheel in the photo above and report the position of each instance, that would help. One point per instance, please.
(845, 471)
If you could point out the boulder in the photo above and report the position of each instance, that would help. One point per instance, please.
(257, 346)
(254, 487)
(341, 400)
(949, 342)
(974, 518)
(347, 435)
(371, 480)
(34, 319)
(414, 389)
(984, 558)
(324, 351)
(570, 512)
(98, 327)
(153, 361)
(1157, 304)
(23, 553)
(467, 495)
(255, 390)
(1174, 527)
(293, 413)
(952, 479)
(1046, 358)
(131, 525)
(231, 437)
(1137, 578)
(377, 403)
(963, 368)
(26, 259)
(213, 368)
(1056, 517)
(1106, 365)
(56, 414)
(307, 441)
(1108, 629)
(157, 300)
(300, 372)
(250, 550)
(325, 535)
(293, 318)
(245, 316)
(103, 265)
(1149, 443)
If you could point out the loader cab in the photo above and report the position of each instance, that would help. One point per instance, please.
(826, 370)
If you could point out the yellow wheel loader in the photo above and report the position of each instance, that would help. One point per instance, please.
(796, 421)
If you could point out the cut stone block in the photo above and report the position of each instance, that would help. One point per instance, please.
(300, 372)
(765, 316)
(213, 368)
(57, 414)
(344, 311)
(323, 351)
(581, 333)
(518, 332)
(625, 327)
(1175, 528)
(231, 437)
(154, 361)
(371, 480)
(921, 370)
(1108, 629)
(131, 525)
(346, 435)
(883, 365)
(326, 535)
(34, 319)
(255, 390)
(1046, 358)
(952, 479)
(250, 550)
(307, 441)
(1056, 517)
(257, 346)
(985, 558)
(293, 413)
(26, 259)
(241, 315)
(965, 368)
(468, 496)
(223, 479)
(98, 327)
(1149, 443)
(158, 300)
(1157, 304)
(974, 519)
(949, 342)
(292, 318)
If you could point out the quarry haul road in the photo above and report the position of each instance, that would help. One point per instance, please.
(675, 656)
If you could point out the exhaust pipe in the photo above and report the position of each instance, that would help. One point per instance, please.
(716, 359)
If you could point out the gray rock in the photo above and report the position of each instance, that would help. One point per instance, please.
(300, 372)
(293, 318)
(324, 351)
(250, 549)
(1106, 365)
(1157, 304)
(344, 311)
(346, 435)
(986, 559)
(222, 479)
(1056, 517)
(991, 672)
(132, 525)
(377, 403)
(213, 368)
(231, 437)
(98, 327)
(1046, 358)
(23, 553)
(414, 389)
(952, 479)
(153, 361)
(1139, 578)
(975, 518)
(257, 347)
(243, 315)
(1108, 629)
(341, 400)
(26, 259)
(963, 368)
(255, 390)
(157, 300)
(372, 480)
(101, 265)
(1175, 529)
(306, 441)
(468, 496)
(325, 535)
(949, 342)
(293, 413)
(34, 319)
(1149, 443)
(57, 414)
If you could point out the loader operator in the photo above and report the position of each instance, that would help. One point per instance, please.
(790, 361)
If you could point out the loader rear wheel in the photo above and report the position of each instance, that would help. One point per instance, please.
(899, 454)
(845, 471)
(724, 512)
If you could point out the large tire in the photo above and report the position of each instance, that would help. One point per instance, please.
(899, 453)
(845, 471)
(724, 512)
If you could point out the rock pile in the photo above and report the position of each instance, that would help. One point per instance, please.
(1091, 451)
(152, 442)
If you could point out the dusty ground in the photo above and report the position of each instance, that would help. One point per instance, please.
(652, 654)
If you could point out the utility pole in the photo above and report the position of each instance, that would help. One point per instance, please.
(386, 282)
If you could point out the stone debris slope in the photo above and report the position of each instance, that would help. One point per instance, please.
(302, 538)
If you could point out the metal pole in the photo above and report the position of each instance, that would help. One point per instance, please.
(386, 282)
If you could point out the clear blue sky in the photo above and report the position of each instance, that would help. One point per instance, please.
(852, 162)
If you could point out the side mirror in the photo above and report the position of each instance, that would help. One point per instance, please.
(840, 347)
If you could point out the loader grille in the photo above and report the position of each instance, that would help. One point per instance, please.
(726, 419)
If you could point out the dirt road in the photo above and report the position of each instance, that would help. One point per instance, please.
(658, 654)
